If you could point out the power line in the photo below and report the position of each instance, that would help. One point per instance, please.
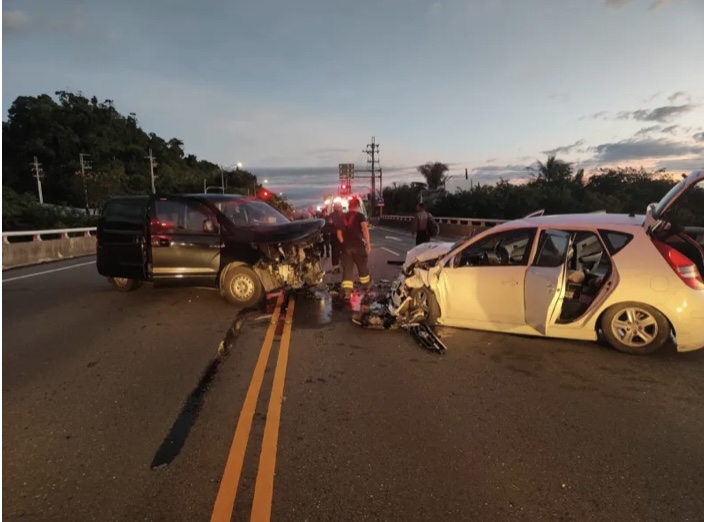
(37, 173)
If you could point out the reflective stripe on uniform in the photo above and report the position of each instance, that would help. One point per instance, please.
(347, 284)
(365, 279)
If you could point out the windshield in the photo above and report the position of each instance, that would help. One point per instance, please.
(249, 212)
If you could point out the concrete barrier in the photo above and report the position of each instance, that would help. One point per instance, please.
(35, 252)
(41, 246)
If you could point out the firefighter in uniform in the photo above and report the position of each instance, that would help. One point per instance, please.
(336, 216)
(356, 246)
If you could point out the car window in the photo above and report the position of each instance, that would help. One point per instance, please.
(251, 212)
(131, 211)
(506, 248)
(615, 241)
(552, 248)
(180, 217)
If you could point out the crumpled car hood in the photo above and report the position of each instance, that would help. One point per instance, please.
(426, 252)
(293, 232)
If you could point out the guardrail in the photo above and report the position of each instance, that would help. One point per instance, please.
(473, 222)
(36, 235)
(31, 247)
(450, 227)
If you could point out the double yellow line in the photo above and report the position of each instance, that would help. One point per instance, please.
(264, 487)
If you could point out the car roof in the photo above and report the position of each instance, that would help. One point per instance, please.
(576, 220)
(215, 197)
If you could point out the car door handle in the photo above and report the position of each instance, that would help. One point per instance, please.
(509, 282)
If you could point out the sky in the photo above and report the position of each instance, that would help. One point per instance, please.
(292, 89)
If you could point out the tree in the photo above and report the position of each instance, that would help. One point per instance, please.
(58, 129)
(434, 174)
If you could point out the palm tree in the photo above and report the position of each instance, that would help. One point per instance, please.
(553, 170)
(434, 174)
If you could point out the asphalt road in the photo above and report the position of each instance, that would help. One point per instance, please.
(118, 407)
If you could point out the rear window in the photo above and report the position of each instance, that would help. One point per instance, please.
(125, 211)
(615, 241)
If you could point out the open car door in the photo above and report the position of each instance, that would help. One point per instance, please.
(672, 208)
(545, 278)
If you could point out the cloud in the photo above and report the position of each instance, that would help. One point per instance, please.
(647, 130)
(660, 3)
(494, 173)
(644, 149)
(660, 114)
(565, 149)
(560, 96)
(671, 129)
(699, 136)
(684, 164)
(678, 94)
(14, 21)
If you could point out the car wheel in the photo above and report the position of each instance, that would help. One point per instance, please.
(242, 287)
(635, 328)
(425, 301)
(124, 284)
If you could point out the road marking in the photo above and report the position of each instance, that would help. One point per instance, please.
(225, 500)
(390, 251)
(394, 238)
(264, 486)
(35, 274)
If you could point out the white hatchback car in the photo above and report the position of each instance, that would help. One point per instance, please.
(634, 280)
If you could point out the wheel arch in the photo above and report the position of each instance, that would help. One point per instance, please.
(600, 317)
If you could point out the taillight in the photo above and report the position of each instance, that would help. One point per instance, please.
(681, 265)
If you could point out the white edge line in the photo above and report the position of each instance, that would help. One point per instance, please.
(46, 272)
(390, 251)
(393, 238)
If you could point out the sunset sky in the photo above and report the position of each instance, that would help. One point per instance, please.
(294, 88)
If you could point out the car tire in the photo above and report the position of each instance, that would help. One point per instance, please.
(635, 328)
(242, 287)
(124, 284)
(425, 298)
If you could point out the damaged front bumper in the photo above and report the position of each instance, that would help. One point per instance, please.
(394, 309)
(290, 265)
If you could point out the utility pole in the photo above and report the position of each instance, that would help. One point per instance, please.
(37, 169)
(84, 166)
(372, 152)
(152, 165)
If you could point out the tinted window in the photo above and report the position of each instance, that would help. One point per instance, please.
(552, 248)
(125, 211)
(615, 241)
(511, 247)
(180, 217)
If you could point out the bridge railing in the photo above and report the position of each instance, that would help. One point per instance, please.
(48, 234)
(449, 226)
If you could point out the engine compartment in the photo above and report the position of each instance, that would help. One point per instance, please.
(290, 264)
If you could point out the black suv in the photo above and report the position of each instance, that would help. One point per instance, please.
(239, 244)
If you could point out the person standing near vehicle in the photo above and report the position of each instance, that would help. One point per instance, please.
(337, 223)
(424, 226)
(356, 247)
(329, 232)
